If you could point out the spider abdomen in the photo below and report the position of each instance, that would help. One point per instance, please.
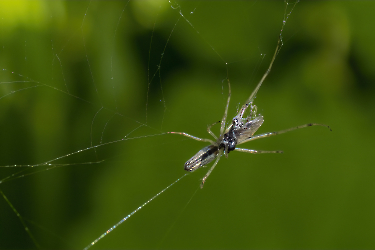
(202, 158)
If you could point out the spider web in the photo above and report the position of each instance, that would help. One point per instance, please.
(88, 90)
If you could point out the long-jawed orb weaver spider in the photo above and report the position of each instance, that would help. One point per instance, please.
(241, 130)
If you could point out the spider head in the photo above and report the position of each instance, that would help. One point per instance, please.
(229, 141)
(232, 142)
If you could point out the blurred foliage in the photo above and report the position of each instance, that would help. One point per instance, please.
(77, 74)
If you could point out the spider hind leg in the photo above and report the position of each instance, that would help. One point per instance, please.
(252, 151)
(284, 131)
(209, 171)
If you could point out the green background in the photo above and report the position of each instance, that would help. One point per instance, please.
(75, 74)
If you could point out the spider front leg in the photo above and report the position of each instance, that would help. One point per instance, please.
(253, 111)
(222, 128)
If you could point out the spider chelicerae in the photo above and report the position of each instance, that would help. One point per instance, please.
(241, 130)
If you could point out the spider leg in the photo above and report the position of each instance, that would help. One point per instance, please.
(253, 94)
(278, 47)
(252, 115)
(283, 131)
(212, 168)
(192, 137)
(253, 112)
(209, 130)
(252, 151)
(222, 128)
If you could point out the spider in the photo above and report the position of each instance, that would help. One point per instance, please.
(241, 130)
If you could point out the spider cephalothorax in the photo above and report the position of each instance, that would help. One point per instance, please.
(229, 141)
